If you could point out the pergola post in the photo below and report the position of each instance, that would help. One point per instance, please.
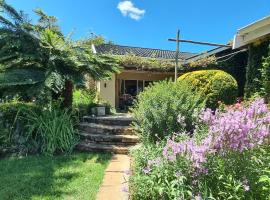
(176, 55)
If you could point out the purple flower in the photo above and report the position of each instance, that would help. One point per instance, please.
(246, 185)
(238, 129)
(124, 189)
(178, 174)
(246, 188)
(147, 170)
(127, 172)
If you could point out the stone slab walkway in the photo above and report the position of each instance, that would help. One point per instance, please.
(115, 181)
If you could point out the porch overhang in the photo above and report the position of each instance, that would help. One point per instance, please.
(252, 33)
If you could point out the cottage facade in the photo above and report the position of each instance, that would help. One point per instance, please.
(132, 79)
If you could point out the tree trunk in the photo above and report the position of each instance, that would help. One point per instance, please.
(68, 94)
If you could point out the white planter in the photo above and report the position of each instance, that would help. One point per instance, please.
(101, 111)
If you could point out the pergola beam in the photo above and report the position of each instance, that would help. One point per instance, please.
(202, 43)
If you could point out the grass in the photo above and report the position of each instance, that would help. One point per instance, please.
(77, 176)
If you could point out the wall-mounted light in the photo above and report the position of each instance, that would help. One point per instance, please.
(105, 85)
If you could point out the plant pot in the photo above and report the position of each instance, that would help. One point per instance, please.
(99, 111)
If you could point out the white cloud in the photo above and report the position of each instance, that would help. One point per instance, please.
(127, 8)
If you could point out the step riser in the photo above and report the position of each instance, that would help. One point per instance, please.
(108, 121)
(112, 143)
(104, 131)
(96, 149)
(102, 139)
(107, 134)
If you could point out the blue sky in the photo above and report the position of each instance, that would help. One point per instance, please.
(149, 23)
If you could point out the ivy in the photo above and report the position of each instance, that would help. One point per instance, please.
(265, 77)
(253, 74)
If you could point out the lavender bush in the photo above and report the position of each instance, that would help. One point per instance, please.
(229, 159)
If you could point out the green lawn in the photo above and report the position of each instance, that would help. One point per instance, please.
(77, 177)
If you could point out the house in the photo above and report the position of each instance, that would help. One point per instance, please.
(135, 77)
(252, 33)
(256, 38)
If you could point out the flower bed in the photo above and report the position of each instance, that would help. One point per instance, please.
(227, 157)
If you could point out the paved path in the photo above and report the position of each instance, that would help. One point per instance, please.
(115, 179)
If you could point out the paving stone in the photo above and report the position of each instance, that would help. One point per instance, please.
(115, 179)
(105, 129)
(123, 119)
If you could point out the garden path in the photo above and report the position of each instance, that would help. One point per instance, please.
(115, 182)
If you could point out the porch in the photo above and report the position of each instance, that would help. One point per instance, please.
(123, 88)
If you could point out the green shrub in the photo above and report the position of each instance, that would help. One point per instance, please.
(220, 160)
(83, 100)
(52, 131)
(265, 81)
(12, 128)
(159, 106)
(215, 85)
(161, 182)
(255, 58)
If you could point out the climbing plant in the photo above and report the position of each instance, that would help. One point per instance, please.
(253, 74)
(265, 77)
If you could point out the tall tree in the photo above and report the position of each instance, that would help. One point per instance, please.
(41, 58)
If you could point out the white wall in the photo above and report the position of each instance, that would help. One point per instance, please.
(106, 90)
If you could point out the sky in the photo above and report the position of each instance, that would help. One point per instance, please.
(149, 23)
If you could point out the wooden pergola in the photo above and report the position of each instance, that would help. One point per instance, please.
(178, 40)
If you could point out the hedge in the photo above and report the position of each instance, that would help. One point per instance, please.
(215, 85)
(12, 129)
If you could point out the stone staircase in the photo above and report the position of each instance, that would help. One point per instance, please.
(107, 134)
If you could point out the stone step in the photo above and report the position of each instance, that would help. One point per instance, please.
(109, 139)
(93, 128)
(94, 147)
(120, 119)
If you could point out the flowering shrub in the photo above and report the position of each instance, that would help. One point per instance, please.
(215, 85)
(158, 107)
(228, 157)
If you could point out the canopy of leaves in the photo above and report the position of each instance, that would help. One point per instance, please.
(152, 64)
(40, 54)
(132, 61)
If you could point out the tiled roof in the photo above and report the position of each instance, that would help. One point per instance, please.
(141, 52)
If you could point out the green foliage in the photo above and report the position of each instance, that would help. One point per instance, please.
(83, 96)
(83, 100)
(159, 106)
(12, 137)
(39, 55)
(228, 175)
(215, 85)
(253, 75)
(93, 40)
(237, 175)
(136, 62)
(52, 131)
(265, 80)
(203, 62)
(162, 182)
(236, 66)
(187, 171)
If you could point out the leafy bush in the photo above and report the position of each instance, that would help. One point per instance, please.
(52, 131)
(216, 85)
(265, 80)
(228, 160)
(12, 128)
(83, 100)
(145, 63)
(158, 107)
(255, 59)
